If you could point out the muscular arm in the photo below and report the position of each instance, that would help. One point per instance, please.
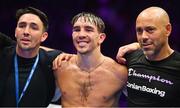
(126, 49)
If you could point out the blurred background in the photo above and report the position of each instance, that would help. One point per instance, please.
(118, 15)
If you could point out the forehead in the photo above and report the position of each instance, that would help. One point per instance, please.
(143, 21)
(30, 18)
(82, 21)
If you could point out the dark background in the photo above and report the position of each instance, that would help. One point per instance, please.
(118, 15)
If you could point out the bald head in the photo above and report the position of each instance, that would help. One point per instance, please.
(153, 29)
(155, 13)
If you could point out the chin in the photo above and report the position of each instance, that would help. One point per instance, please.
(148, 53)
(82, 52)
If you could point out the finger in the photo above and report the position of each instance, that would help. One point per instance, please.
(119, 52)
(55, 63)
(69, 56)
(63, 57)
(59, 59)
(122, 60)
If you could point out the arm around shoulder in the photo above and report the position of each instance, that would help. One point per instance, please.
(123, 73)
(126, 49)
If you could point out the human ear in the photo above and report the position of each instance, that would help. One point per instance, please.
(44, 36)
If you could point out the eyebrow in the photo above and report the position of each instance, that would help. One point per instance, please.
(86, 26)
(89, 27)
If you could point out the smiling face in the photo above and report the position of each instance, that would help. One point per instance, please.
(152, 30)
(29, 32)
(86, 36)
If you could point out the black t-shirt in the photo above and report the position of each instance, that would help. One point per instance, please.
(42, 85)
(153, 83)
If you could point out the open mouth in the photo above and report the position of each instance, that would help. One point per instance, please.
(82, 43)
(25, 41)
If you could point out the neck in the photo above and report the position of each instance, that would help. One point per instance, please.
(162, 54)
(89, 61)
(27, 53)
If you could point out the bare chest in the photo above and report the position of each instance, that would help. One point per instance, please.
(80, 86)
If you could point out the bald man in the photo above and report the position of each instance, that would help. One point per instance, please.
(154, 69)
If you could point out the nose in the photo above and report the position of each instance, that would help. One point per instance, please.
(26, 31)
(144, 35)
(81, 35)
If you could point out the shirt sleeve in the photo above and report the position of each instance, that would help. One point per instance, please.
(53, 54)
(5, 41)
(57, 95)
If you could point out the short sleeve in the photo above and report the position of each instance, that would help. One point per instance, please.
(5, 41)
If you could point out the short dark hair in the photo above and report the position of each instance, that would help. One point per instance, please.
(43, 17)
(90, 17)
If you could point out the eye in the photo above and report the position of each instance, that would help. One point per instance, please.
(139, 30)
(89, 29)
(150, 29)
(76, 29)
(34, 26)
(22, 25)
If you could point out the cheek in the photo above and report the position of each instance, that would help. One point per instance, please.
(159, 41)
(73, 38)
(138, 38)
(17, 33)
(37, 38)
(98, 41)
(74, 34)
(156, 38)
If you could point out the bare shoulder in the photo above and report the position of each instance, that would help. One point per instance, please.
(68, 64)
(112, 63)
(119, 69)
